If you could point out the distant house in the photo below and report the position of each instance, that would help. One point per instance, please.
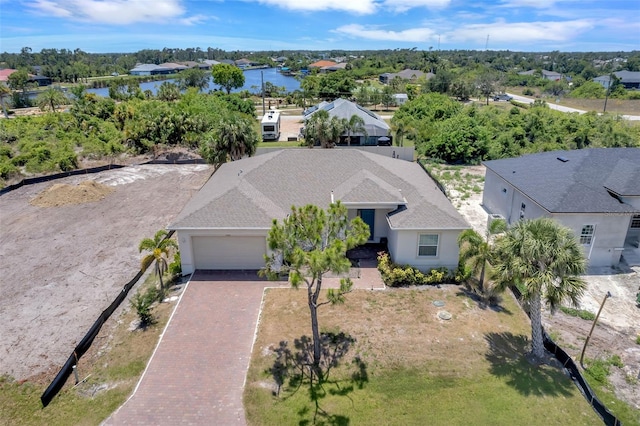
(40, 80)
(228, 61)
(5, 73)
(321, 64)
(400, 98)
(211, 62)
(374, 125)
(629, 79)
(595, 192)
(408, 74)
(603, 80)
(243, 63)
(173, 66)
(547, 75)
(333, 68)
(225, 224)
(150, 69)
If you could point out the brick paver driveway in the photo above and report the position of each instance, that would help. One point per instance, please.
(196, 376)
(197, 373)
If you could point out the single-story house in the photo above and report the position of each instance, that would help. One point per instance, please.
(225, 225)
(547, 75)
(408, 74)
(333, 68)
(150, 69)
(5, 73)
(400, 98)
(323, 63)
(374, 125)
(194, 64)
(174, 66)
(595, 192)
(628, 79)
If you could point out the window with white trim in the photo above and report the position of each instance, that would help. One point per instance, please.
(586, 235)
(635, 221)
(428, 245)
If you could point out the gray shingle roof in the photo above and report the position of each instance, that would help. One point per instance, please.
(250, 193)
(580, 185)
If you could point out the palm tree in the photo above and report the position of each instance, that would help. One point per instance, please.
(355, 124)
(51, 98)
(4, 92)
(544, 259)
(402, 126)
(323, 129)
(476, 251)
(159, 248)
(232, 138)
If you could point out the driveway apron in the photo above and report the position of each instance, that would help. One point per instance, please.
(197, 373)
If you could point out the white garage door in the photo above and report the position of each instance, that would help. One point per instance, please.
(229, 252)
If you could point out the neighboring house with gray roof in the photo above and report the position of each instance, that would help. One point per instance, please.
(224, 226)
(374, 126)
(595, 192)
(150, 69)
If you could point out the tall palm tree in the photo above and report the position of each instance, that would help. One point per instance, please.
(476, 251)
(158, 248)
(545, 260)
(402, 126)
(355, 124)
(51, 98)
(5, 92)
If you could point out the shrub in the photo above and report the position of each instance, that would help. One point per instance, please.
(142, 304)
(580, 313)
(403, 275)
(175, 267)
(528, 92)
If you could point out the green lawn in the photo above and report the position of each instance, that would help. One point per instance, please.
(413, 369)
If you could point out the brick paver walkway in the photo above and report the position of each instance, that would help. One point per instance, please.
(197, 373)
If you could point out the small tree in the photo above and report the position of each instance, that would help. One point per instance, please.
(51, 98)
(355, 124)
(307, 244)
(5, 92)
(228, 76)
(475, 251)
(159, 248)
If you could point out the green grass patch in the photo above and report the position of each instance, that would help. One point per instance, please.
(417, 369)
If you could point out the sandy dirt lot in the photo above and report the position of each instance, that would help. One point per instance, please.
(61, 266)
(619, 322)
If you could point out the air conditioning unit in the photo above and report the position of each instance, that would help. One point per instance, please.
(492, 217)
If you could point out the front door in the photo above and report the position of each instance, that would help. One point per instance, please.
(368, 216)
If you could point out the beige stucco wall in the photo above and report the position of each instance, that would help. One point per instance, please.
(403, 246)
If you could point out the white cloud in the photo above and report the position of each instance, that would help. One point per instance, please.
(410, 35)
(118, 12)
(193, 20)
(521, 32)
(352, 6)
(499, 32)
(404, 5)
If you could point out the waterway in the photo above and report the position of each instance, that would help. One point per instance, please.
(252, 83)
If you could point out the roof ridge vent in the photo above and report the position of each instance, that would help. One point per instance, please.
(563, 159)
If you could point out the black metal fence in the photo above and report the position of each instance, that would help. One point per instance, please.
(574, 373)
(84, 345)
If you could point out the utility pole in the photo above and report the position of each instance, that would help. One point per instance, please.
(606, 96)
(262, 89)
(595, 320)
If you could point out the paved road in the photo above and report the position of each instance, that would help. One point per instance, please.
(562, 108)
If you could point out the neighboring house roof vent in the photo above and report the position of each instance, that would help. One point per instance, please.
(563, 159)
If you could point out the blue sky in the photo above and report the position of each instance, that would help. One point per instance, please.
(131, 25)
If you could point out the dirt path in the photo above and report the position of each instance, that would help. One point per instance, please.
(619, 322)
(61, 266)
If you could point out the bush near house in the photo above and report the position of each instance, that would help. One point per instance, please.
(404, 275)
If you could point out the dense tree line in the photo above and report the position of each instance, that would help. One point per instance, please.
(444, 129)
(64, 65)
(100, 128)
